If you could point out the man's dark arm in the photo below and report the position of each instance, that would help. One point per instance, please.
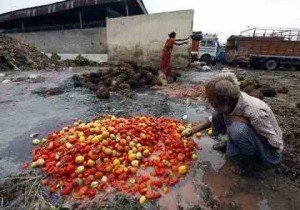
(178, 44)
(182, 40)
(203, 125)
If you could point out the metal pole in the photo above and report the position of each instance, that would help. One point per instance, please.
(80, 19)
(126, 8)
(23, 28)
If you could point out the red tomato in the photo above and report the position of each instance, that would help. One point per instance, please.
(157, 183)
(91, 193)
(86, 173)
(83, 190)
(45, 182)
(93, 170)
(160, 171)
(143, 191)
(24, 166)
(52, 190)
(70, 169)
(67, 190)
(150, 195)
(98, 175)
(173, 182)
(123, 176)
(181, 156)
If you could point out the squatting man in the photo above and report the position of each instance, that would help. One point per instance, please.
(253, 131)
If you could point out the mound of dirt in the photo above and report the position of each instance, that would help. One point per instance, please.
(119, 78)
(16, 55)
(256, 89)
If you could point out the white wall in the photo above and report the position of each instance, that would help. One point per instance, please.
(67, 41)
(141, 38)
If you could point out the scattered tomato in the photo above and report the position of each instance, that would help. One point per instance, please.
(86, 157)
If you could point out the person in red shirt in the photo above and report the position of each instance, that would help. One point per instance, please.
(165, 64)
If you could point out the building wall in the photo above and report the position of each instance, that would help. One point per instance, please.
(141, 38)
(67, 41)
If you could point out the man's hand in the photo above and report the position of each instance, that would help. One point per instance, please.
(188, 132)
(205, 124)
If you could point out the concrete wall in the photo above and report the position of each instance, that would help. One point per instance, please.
(67, 41)
(141, 38)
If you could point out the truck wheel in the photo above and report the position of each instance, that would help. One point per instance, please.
(207, 59)
(271, 64)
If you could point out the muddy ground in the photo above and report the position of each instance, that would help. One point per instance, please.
(41, 107)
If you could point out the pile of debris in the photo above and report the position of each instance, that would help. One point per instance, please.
(258, 90)
(15, 55)
(78, 61)
(119, 78)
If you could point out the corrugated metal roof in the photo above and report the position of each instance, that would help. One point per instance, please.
(58, 7)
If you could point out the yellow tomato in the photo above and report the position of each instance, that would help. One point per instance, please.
(116, 162)
(194, 156)
(91, 163)
(143, 199)
(209, 132)
(199, 135)
(79, 159)
(182, 169)
(132, 156)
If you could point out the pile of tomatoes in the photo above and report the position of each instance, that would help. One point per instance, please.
(139, 155)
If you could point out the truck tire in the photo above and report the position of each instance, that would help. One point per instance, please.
(271, 64)
(207, 59)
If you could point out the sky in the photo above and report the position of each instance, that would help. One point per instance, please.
(224, 17)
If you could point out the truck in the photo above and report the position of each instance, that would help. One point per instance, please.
(266, 48)
(206, 50)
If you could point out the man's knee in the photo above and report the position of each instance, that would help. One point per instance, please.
(238, 130)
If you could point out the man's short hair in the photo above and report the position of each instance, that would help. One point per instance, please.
(224, 85)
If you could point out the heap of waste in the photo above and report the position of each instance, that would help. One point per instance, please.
(16, 55)
(142, 156)
(120, 78)
(258, 90)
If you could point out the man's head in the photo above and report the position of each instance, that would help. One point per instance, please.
(223, 92)
(172, 35)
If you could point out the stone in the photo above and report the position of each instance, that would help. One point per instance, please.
(257, 93)
(283, 90)
(268, 91)
(249, 89)
(206, 68)
(133, 83)
(143, 82)
(124, 86)
(6, 81)
(37, 78)
(33, 135)
(103, 93)
(245, 83)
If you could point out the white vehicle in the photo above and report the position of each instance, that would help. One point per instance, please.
(208, 50)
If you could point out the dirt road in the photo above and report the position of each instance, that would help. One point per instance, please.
(28, 107)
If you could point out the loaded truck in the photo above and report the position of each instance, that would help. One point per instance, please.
(206, 50)
(266, 48)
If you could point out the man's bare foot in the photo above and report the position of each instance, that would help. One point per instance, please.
(220, 146)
